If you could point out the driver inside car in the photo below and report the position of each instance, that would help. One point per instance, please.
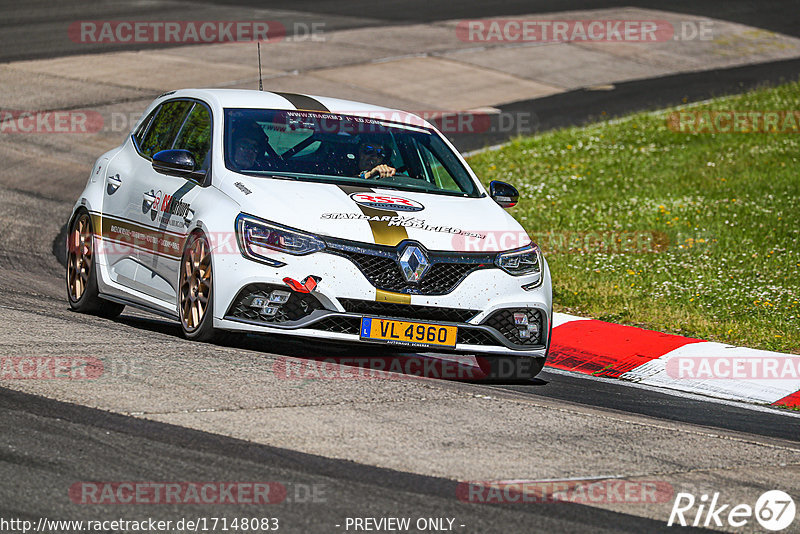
(249, 147)
(373, 159)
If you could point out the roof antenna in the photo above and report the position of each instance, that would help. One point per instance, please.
(260, 83)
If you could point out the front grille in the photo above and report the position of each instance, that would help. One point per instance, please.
(339, 324)
(473, 336)
(503, 322)
(298, 306)
(408, 311)
(379, 264)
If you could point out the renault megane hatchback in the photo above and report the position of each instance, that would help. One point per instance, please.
(276, 213)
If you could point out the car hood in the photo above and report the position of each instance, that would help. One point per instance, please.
(377, 215)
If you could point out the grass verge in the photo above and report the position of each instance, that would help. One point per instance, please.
(722, 212)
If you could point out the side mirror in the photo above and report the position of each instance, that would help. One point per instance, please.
(504, 194)
(174, 163)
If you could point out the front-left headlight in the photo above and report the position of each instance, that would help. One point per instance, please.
(524, 261)
(257, 237)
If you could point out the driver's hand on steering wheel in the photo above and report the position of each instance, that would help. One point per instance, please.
(380, 171)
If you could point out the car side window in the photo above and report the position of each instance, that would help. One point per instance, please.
(195, 136)
(435, 171)
(142, 129)
(164, 127)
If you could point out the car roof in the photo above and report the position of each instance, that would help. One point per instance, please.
(242, 98)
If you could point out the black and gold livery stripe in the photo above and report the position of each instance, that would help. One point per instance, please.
(382, 234)
(303, 102)
(128, 233)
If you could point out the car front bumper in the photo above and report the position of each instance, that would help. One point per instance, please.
(481, 305)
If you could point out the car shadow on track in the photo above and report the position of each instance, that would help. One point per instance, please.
(326, 360)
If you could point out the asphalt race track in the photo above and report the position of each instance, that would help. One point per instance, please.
(172, 410)
(95, 446)
(28, 29)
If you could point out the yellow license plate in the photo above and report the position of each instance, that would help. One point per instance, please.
(408, 333)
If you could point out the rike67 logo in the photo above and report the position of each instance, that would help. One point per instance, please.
(774, 510)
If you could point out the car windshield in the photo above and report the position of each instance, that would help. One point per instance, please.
(339, 149)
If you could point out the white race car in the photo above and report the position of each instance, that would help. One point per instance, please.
(278, 213)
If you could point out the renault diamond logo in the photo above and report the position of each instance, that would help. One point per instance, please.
(413, 263)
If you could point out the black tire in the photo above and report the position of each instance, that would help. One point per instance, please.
(202, 330)
(81, 272)
(510, 369)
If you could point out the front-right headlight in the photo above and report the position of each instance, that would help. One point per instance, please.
(521, 262)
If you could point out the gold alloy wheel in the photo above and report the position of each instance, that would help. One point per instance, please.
(79, 261)
(195, 292)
